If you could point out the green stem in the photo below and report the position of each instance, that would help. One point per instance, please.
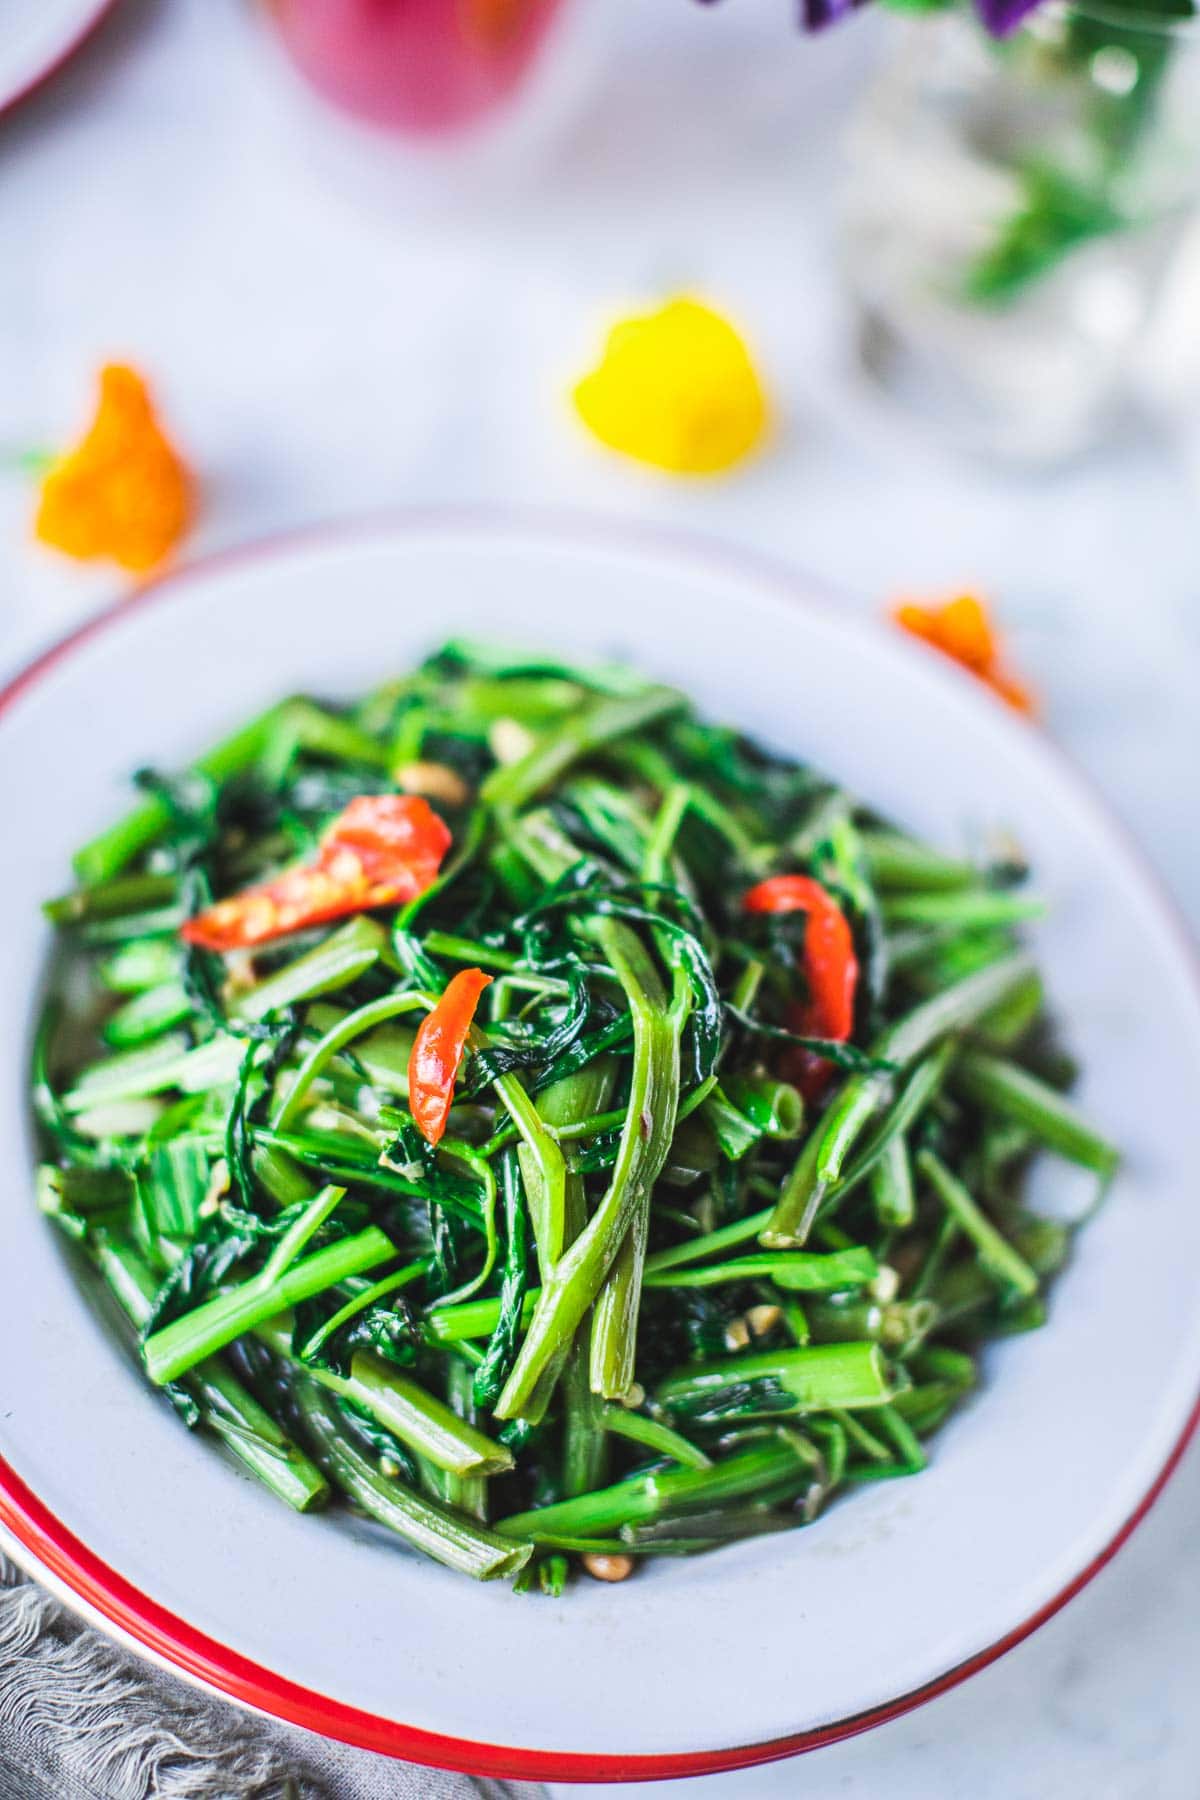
(471, 952)
(892, 1186)
(584, 1445)
(460, 1543)
(618, 1305)
(319, 1208)
(424, 1423)
(491, 1373)
(362, 1019)
(467, 1492)
(482, 1170)
(920, 1088)
(473, 1319)
(797, 1272)
(177, 1347)
(341, 959)
(710, 1244)
(653, 1496)
(615, 1317)
(226, 1407)
(996, 1254)
(656, 860)
(574, 1283)
(968, 911)
(820, 1168)
(543, 1167)
(107, 854)
(896, 862)
(169, 1062)
(583, 731)
(376, 1291)
(774, 1108)
(147, 1015)
(111, 899)
(795, 1212)
(636, 1428)
(1004, 1088)
(144, 963)
(817, 1377)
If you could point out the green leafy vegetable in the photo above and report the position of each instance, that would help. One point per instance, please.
(653, 1288)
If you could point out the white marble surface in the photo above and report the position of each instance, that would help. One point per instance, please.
(333, 328)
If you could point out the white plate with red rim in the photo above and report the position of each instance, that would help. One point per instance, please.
(38, 38)
(768, 1647)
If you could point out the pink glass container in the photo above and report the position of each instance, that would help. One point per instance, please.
(425, 67)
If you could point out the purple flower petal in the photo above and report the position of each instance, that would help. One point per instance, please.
(1003, 16)
(816, 15)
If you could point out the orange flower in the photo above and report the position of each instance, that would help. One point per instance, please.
(123, 492)
(962, 630)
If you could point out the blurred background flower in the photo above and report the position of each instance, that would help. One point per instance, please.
(962, 629)
(123, 494)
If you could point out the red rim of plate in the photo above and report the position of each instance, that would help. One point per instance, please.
(79, 36)
(171, 1638)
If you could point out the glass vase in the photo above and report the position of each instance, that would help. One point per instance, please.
(1010, 212)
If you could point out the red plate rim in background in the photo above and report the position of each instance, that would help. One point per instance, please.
(79, 33)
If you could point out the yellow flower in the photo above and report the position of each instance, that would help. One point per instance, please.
(676, 388)
(123, 493)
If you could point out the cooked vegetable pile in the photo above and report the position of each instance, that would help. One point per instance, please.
(546, 1120)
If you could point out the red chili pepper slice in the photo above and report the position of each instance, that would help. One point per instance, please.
(437, 1052)
(830, 969)
(383, 850)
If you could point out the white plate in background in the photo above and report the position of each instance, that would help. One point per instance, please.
(37, 37)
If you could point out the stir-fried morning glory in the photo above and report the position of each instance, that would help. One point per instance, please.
(545, 1120)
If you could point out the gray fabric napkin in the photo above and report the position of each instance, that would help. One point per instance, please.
(80, 1719)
